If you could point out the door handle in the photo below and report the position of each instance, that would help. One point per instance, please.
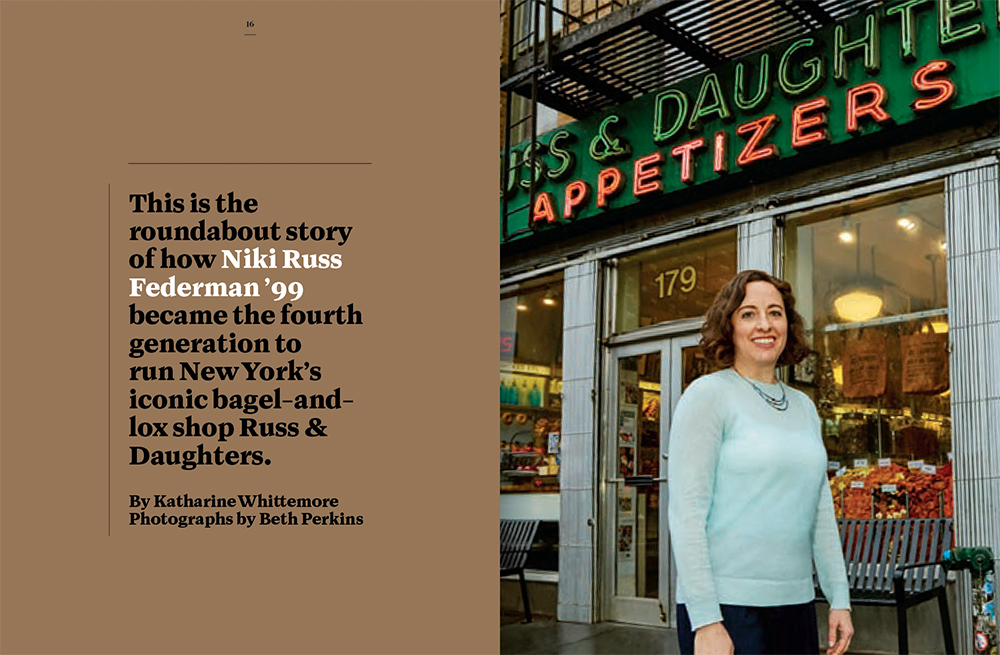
(637, 480)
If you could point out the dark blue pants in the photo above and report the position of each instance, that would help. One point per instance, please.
(782, 630)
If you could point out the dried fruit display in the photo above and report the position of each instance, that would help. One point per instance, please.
(861, 493)
(928, 491)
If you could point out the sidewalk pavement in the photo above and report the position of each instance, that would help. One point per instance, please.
(544, 636)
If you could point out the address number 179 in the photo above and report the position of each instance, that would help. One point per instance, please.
(667, 280)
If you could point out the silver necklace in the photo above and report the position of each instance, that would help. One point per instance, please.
(779, 404)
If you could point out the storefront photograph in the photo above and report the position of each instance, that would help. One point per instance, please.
(652, 150)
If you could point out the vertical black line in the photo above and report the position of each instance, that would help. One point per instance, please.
(109, 359)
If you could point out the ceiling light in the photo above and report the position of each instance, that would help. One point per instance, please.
(521, 307)
(858, 305)
(939, 327)
(548, 299)
(846, 233)
(906, 220)
(944, 246)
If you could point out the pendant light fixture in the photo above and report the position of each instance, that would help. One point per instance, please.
(861, 300)
(858, 304)
(846, 232)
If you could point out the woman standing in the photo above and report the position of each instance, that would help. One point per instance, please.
(750, 508)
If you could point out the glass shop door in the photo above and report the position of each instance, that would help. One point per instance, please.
(644, 382)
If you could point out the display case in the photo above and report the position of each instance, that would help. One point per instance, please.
(530, 429)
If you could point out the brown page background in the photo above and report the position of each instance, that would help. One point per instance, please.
(88, 88)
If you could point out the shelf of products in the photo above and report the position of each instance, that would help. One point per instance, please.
(527, 409)
(529, 449)
(530, 390)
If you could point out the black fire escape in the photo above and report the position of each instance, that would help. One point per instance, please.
(582, 57)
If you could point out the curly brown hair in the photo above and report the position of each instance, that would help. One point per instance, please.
(717, 332)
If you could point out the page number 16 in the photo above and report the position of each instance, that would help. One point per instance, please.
(249, 23)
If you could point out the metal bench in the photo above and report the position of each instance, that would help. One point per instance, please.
(897, 562)
(516, 537)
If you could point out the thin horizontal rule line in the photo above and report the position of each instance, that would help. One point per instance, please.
(249, 163)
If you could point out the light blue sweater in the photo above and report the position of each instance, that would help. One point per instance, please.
(750, 508)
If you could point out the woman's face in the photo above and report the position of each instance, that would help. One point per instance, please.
(760, 328)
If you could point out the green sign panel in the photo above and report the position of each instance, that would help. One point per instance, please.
(899, 63)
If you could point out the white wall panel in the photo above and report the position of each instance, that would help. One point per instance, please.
(755, 249)
(972, 203)
(577, 475)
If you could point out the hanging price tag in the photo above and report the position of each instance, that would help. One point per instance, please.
(841, 471)
(915, 463)
(889, 488)
(861, 463)
(950, 456)
(884, 462)
(832, 466)
(929, 468)
(857, 484)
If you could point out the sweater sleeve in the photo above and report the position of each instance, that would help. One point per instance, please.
(828, 554)
(695, 438)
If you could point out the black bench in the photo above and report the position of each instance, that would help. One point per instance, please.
(516, 537)
(897, 562)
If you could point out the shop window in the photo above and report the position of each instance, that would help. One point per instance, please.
(531, 388)
(678, 280)
(869, 279)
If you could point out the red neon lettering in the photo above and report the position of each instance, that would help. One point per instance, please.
(543, 210)
(720, 160)
(577, 193)
(874, 108)
(809, 129)
(646, 178)
(687, 160)
(506, 344)
(757, 130)
(943, 87)
(609, 183)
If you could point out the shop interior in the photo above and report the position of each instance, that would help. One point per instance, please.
(870, 279)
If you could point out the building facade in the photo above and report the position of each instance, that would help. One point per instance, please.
(850, 148)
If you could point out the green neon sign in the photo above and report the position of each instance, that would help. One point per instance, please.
(896, 64)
